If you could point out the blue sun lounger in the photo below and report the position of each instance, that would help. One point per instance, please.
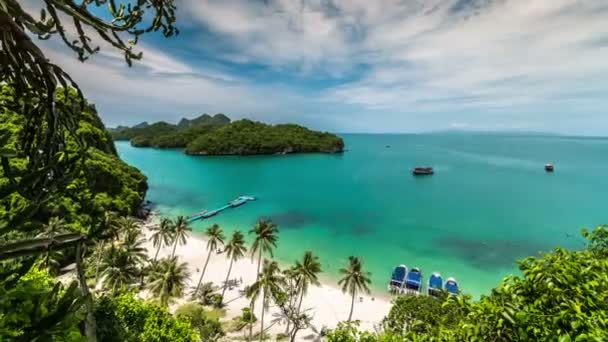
(451, 285)
(413, 280)
(435, 284)
(397, 279)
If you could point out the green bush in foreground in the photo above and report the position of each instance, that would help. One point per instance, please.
(126, 318)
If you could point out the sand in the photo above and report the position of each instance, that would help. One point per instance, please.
(326, 303)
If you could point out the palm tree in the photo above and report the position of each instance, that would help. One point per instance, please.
(215, 237)
(235, 250)
(306, 273)
(123, 225)
(133, 243)
(355, 280)
(181, 229)
(162, 235)
(107, 224)
(54, 227)
(291, 277)
(269, 283)
(118, 268)
(168, 279)
(265, 241)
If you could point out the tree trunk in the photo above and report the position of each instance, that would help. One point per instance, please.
(226, 282)
(252, 305)
(90, 326)
(157, 250)
(174, 247)
(289, 307)
(294, 333)
(262, 319)
(98, 262)
(301, 297)
(202, 274)
(352, 306)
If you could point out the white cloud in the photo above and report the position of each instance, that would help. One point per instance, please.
(433, 55)
(397, 64)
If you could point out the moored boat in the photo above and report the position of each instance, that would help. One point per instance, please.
(435, 284)
(395, 285)
(451, 285)
(413, 280)
(423, 171)
(549, 167)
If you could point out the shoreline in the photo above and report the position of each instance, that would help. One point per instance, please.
(327, 304)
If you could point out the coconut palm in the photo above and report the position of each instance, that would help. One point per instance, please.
(207, 295)
(124, 224)
(291, 279)
(265, 241)
(306, 273)
(133, 243)
(162, 235)
(117, 268)
(181, 229)
(54, 227)
(355, 280)
(235, 249)
(106, 226)
(215, 237)
(167, 279)
(268, 285)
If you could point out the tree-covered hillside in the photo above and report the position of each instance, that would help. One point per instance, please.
(246, 137)
(166, 135)
(104, 183)
(215, 135)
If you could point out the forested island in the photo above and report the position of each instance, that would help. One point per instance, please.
(217, 135)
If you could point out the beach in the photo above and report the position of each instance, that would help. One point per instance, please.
(326, 303)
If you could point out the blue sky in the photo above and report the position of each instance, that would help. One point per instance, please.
(366, 66)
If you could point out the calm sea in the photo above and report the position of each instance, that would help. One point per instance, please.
(489, 203)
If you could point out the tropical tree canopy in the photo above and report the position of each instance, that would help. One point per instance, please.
(266, 236)
(167, 280)
(354, 281)
(78, 24)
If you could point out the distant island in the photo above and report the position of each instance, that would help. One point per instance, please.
(217, 135)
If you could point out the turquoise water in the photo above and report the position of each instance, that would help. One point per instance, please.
(489, 203)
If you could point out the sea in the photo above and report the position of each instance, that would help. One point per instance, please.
(489, 203)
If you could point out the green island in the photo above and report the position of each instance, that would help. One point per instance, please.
(77, 264)
(217, 135)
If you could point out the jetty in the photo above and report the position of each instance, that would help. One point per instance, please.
(204, 214)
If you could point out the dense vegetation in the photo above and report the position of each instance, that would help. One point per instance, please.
(103, 182)
(246, 137)
(215, 135)
(165, 135)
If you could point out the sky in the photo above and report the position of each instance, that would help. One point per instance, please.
(378, 66)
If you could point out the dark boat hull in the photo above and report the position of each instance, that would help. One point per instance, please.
(422, 171)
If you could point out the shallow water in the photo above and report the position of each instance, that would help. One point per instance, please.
(489, 203)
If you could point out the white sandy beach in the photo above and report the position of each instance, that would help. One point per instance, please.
(327, 303)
